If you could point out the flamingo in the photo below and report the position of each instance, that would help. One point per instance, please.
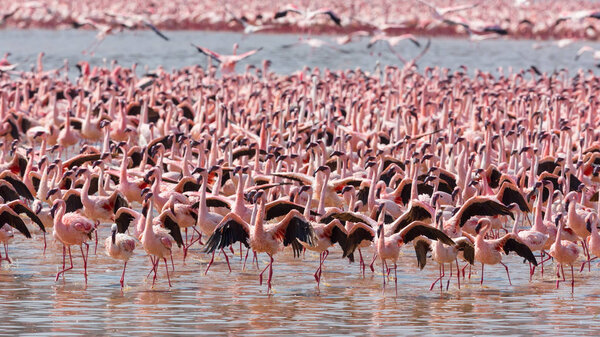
(119, 246)
(227, 62)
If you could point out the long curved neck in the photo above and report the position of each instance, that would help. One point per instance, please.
(239, 196)
(260, 214)
(321, 208)
(307, 206)
(59, 215)
(123, 172)
(202, 209)
(148, 227)
(550, 201)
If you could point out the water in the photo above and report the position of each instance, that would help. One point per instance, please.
(222, 302)
(347, 304)
(147, 49)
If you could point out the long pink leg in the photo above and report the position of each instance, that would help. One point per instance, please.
(199, 236)
(96, 235)
(123, 274)
(481, 274)
(6, 253)
(270, 274)
(227, 258)
(84, 256)
(172, 263)
(255, 258)
(437, 279)
(64, 257)
(167, 268)
(449, 278)
(383, 273)
(246, 259)
(373, 262)
(362, 262)
(241, 251)
(210, 263)
(572, 281)
(317, 272)
(155, 268)
(507, 273)
(45, 244)
(396, 277)
(260, 276)
(186, 245)
(152, 262)
(457, 273)
(443, 274)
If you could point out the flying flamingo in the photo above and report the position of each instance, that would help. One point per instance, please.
(227, 62)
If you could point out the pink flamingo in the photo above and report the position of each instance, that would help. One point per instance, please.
(71, 229)
(119, 246)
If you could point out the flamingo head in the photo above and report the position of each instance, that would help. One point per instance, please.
(113, 230)
(482, 223)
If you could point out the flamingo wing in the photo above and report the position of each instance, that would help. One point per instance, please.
(279, 208)
(419, 228)
(155, 30)
(510, 194)
(208, 52)
(295, 228)
(18, 185)
(14, 220)
(481, 206)
(171, 225)
(73, 201)
(466, 246)
(230, 230)
(422, 247)
(417, 212)
(19, 207)
(512, 245)
(123, 219)
(81, 159)
(356, 235)
(247, 54)
(355, 217)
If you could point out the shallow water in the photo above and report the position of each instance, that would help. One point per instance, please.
(221, 302)
(147, 49)
(347, 303)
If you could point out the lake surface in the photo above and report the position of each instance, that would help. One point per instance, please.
(147, 49)
(220, 302)
(31, 302)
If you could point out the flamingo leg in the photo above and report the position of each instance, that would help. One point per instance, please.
(97, 224)
(199, 236)
(572, 280)
(7, 258)
(449, 278)
(437, 279)
(64, 258)
(155, 268)
(457, 273)
(210, 263)
(396, 277)
(507, 273)
(186, 245)
(260, 276)
(481, 274)
(45, 244)
(373, 262)
(151, 261)
(362, 262)
(270, 274)
(246, 259)
(318, 271)
(241, 251)
(255, 258)
(167, 269)
(226, 259)
(172, 263)
(123, 274)
(84, 257)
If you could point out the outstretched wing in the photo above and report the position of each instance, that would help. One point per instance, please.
(173, 228)
(419, 228)
(154, 29)
(13, 220)
(123, 219)
(230, 230)
(481, 206)
(512, 245)
(208, 52)
(20, 208)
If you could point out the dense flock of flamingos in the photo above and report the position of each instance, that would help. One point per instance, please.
(464, 169)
